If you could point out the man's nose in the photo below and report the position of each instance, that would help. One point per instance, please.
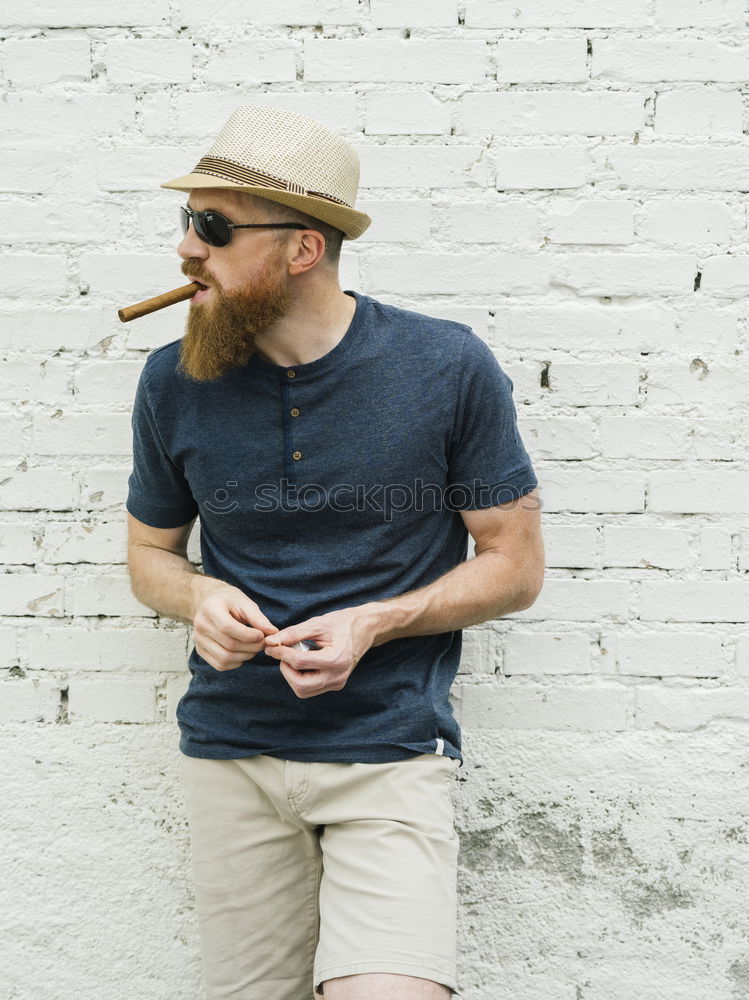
(191, 245)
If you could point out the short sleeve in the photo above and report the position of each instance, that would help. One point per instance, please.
(158, 493)
(488, 462)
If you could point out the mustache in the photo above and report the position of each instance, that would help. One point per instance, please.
(195, 268)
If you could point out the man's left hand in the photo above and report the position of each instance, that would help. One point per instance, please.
(343, 637)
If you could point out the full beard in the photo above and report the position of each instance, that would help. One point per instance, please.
(221, 332)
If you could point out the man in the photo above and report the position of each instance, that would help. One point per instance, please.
(338, 451)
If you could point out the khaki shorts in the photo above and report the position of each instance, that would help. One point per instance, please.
(308, 871)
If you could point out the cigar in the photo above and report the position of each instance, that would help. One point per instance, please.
(159, 302)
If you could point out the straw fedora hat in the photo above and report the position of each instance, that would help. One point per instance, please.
(287, 158)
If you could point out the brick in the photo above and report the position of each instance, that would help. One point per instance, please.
(547, 653)
(588, 326)
(645, 545)
(480, 655)
(662, 654)
(30, 699)
(569, 545)
(717, 439)
(84, 542)
(715, 548)
(698, 14)
(149, 60)
(500, 706)
(604, 222)
(578, 601)
(365, 60)
(742, 654)
(550, 14)
(626, 274)
(559, 437)
(726, 275)
(669, 58)
(176, 686)
(31, 594)
(492, 222)
(36, 382)
(31, 62)
(15, 435)
(135, 276)
(422, 166)
(36, 488)
(102, 594)
(8, 647)
(529, 167)
(542, 60)
(478, 274)
(47, 329)
(695, 601)
(63, 222)
(698, 111)
(19, 543)
(583, 490)
(690, 708)
(106, 382)
(111, 700)
(552, 113)
(34, 276)
(104, 488)
(664, 168)
(405, 113)
(143, 168)
(696, 381)
(68, 113)
(75, 649)
(691, 491)
(82, 434)
(284, 12)
(644, 437)
(25, 171)
(397, 221)
(607, 384)
(199, 113)
(266, 61)
(681, 221)
(85, 13)
(414, 14)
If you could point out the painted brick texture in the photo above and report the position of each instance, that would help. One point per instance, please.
(569, 179)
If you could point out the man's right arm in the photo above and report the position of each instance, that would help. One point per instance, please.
(229, 627)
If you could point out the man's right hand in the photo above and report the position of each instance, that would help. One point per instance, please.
(229, 627)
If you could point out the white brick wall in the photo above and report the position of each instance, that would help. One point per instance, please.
(570, 179)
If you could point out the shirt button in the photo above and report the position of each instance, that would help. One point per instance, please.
(291, 373)
(296, 456)
(294, 412)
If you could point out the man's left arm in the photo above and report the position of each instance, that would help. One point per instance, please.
(505, 575)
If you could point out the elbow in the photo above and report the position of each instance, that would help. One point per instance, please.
(531, 588)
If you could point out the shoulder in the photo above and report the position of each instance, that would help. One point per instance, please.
(420, 332)
(160, 367)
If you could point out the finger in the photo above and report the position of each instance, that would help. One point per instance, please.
(250, 614)
(305, 684)
(292, 634)
(297, 658)
(217, 656)
(245, 640)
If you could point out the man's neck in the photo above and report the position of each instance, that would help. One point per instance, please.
(313, 326)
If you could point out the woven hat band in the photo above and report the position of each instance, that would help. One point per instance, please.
(227, 170)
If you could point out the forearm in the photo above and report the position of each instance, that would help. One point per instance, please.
(168, 583)
(488, 586)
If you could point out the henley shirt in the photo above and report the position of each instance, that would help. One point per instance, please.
(322, 486)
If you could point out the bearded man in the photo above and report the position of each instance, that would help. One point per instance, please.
(338, 451)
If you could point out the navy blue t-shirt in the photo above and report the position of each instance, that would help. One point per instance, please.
(322, 486)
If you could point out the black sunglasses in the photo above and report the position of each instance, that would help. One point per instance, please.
(216, 230)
